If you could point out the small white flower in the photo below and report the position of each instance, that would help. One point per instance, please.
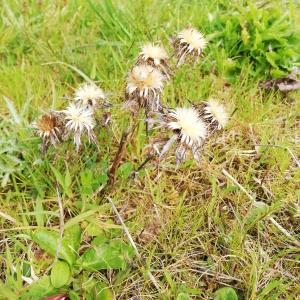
(215, 114)
(189, 130)
(89, 95)
(144, 86)
(79, 120)
(189, 42)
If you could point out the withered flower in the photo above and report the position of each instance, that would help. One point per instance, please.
(144, 88)
(155, 56)
(89, 95)
(214, 114)
(49, 128)
(79, 120)
(188, 128)
(189, 43)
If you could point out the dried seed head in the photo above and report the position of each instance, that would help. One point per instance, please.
(144, 86)
(189, 131)
(153, 53)
(189, 43)
(156, 57)
(190, 127)
(214, 114)
(79, 120)
(49, 128)
(89, 95)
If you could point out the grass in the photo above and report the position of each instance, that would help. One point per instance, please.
(196, 229)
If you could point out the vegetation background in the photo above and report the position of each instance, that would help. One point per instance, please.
(197, 230)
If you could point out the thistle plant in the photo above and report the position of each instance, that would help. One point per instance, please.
(214, 114)
(184, 129)
(50, 128)
(188, 131)
(155, 56)
(144, 88)
(90, 96)
(189, 43)
(79, 120)
(76, 120)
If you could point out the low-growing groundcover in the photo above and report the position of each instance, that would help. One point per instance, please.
(224, 228)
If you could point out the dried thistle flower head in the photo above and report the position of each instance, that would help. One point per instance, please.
(214, 113)
(189, 130)
(49, 128)
(189, 43)
(144, 86)
(89, 95)
(155, 56)
(79, 120)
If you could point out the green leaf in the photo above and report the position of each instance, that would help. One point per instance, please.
(103, 292)
(100, 240)
(58, 176)
(72, 235)
(39, 210)
(60, 274)
(256, 214)
(226, 293)
(39, 289)
(271, 286)
(96, 228)
(125, 170)
(82, 217)
(68, 182)
(74, 296)
(64, 181)
(6, 292)
(183, 296)
(93, 230)
(48, 241)
(271, 58)
(107, 255)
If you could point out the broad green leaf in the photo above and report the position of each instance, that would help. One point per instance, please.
(226, 293)
(39, 289)
(60, 274)
(107, 255)
(95, 227)
(100, 240)
(95, 289)
(103, 292)
(72, 235)
(74, 296)
(93, 230)
(48, 241)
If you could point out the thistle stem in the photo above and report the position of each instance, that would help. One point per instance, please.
(126, 137)
(142, 165)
